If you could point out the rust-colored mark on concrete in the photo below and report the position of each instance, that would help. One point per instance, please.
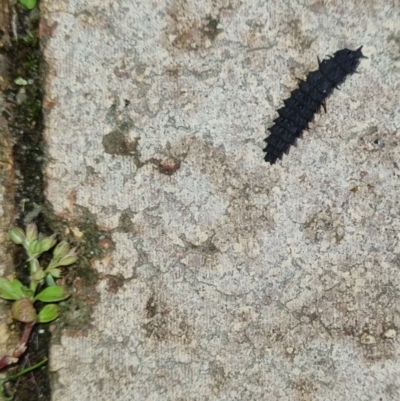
(169, 166)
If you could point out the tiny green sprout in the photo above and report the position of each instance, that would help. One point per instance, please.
(63, 256)
(34, 248)
(60, 250)
(17, 235)
(30, 4)
(39, 275)
(70, 258)
(47, 243)
(31, 232)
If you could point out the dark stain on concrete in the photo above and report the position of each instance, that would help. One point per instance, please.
(151, 307)
(115, 143)
(114, 283)
(169, 166)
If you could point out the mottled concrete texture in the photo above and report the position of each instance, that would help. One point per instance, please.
(241, 280)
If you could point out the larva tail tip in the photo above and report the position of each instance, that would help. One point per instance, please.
(359, 51)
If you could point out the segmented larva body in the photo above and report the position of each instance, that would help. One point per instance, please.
(305, 101)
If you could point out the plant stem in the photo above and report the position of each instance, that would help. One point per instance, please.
(13, 377)
(21, 347)
(50, 281)
(33, 285)
(26, 370)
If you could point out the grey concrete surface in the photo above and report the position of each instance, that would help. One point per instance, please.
(241, 280)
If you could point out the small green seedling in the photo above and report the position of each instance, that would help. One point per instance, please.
(28, 3)
(42, 287)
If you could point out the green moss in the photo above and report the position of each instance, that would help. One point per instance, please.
(32, 109)
(31, 65)
(81, 278)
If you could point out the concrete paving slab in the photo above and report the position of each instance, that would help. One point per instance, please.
(233, 279)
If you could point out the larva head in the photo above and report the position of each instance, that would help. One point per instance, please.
(349, 59)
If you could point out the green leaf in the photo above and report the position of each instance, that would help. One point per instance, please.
(48, 313)
(39, 275)
(34, 248)
(17, 235)
(31, 232)
(34, 265)
(67, 260)
(28, 3)
(47, 243)
(28, 293)
(6, 290)
(18, 288)
(54, 272)
(61, 250)
(54, 293)
(11, 290)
